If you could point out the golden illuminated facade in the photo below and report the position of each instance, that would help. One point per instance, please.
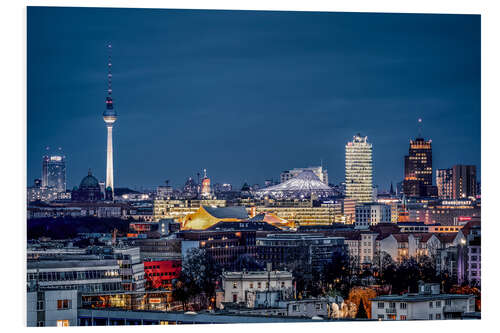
(359, 169)
(303, 215)
(205, 217)
(178, 209)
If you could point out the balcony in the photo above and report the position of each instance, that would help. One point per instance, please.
(390, 310)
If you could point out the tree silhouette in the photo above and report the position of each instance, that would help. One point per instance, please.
(361, 311)
(198, 278)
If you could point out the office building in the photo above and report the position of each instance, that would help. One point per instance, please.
(464, 181)
(305, 213)
(358, 169)
(349, 210)
(418, 169)
(368, 214)
(160, 273)
(283, 250)
(444, 183)
(91, 270)
(85, 273)
(223, 246)
(54, 171)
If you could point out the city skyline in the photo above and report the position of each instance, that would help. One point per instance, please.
(246, 129)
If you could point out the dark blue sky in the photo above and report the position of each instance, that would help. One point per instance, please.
(247, 94)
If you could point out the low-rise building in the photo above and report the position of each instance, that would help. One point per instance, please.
(52, 308)
(427, 304)
(368, 214)
(92, 269)
(238, 285)
(161, 273)
(282, 250)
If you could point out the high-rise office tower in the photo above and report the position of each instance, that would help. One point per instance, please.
(358, 169)
(109, 117)
(54, 171)
(444, 183)
(464, 181)
(418, 169)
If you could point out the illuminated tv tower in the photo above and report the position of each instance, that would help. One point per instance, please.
(109, 115)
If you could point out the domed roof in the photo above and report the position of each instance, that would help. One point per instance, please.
(303, 185)
(89, 182)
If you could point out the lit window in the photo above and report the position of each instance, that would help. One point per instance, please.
(63, 304)
(63, 323)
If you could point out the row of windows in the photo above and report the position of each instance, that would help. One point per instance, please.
(174, 265)
(162, 274)
(62, 304)
(92, 287)
(392, 305)
(81, 275)
(259, 285)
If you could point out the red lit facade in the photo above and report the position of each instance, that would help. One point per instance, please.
(159, 274)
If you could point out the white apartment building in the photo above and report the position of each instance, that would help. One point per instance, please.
(237, 285)
(363, 247)
(52, 308)
(427, 304)
(406, 245)
(368, 214)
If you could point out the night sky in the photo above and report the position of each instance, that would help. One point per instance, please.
(247, 94)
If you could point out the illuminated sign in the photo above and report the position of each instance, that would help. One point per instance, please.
(154, 300)
(457, 202)
(56, 158)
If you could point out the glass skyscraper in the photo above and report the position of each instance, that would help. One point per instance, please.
(359, 169)
(54, 172)
(418, 169)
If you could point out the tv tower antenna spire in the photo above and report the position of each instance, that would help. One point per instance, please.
(420, 127)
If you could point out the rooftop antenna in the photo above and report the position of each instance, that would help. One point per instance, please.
(420, 127)
(109, 99)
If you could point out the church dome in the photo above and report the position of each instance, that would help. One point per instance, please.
(89, 182)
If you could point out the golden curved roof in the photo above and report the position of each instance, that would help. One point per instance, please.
(205, 217)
